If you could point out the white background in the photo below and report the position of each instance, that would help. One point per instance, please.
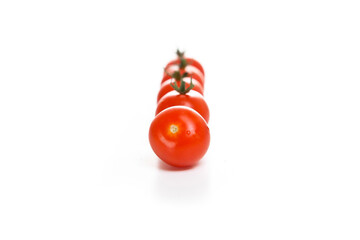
(78, 86)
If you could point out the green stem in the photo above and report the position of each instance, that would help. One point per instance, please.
(180, 77)
(183, 63)
(180, 54)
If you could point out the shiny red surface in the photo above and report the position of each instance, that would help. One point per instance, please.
(192, 99)
(185, 147)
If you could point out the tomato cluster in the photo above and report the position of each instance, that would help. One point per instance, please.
(179, 133)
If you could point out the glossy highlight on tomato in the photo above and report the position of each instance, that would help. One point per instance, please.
(179, 136)
(192, 99)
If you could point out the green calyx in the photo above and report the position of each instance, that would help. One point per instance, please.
(182, 89)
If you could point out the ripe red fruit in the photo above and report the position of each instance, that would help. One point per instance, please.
(179, 136)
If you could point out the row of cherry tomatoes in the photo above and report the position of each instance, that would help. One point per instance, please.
(179, 134)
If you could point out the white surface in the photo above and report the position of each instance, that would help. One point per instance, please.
(78, 85)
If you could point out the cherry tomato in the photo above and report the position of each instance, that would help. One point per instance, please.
(192, 99)
(193, 72)
(179, 136)
(166, 87)
(190, 61)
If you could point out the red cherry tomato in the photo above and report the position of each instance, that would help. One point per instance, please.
(166, 87)
(192, 99)
(190, 61)
(192, 71)
(179, 136)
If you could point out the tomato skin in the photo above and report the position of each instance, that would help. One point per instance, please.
(193, 72)
(166, 87)
(190, 61)
(179, 136)
(192, 99)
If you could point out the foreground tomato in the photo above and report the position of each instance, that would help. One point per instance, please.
(166, 87)
(191, 99)
(179, 136)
